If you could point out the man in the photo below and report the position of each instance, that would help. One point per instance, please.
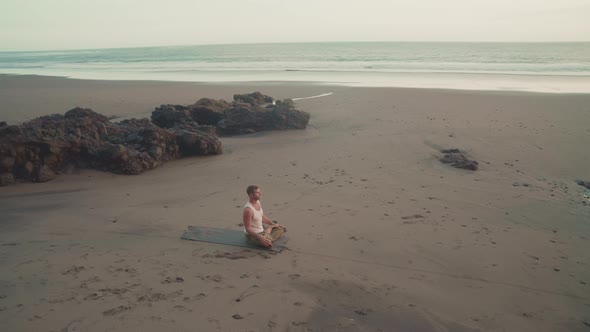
(259, 229)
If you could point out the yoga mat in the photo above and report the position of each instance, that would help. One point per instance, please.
(230, 237)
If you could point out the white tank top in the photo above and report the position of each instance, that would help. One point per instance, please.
(256, 219)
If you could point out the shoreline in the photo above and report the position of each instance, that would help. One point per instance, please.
(279, 82)
(570, 84)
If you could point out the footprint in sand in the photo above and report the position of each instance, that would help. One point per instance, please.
(169, 280)
(230, 255)
(215, 278)
(197, 297)
(116, 311)
(73, 326)
(74, 270)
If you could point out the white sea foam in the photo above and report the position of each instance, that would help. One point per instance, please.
(318, 96)
(540, 67)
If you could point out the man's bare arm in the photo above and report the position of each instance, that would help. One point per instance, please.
(267, 221)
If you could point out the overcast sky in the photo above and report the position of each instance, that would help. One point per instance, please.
(74, 24)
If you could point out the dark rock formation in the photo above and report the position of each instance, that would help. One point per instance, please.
(585, 184)
(209, 111)
(253, 99)
(40, 149)
(285, 116)
(248, 113)
(167, 116)
(457, 159)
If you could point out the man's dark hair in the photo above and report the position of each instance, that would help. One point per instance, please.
(251, 189)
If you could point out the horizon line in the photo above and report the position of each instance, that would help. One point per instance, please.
(296, 42)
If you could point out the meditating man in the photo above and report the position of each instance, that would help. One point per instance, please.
(259, 229)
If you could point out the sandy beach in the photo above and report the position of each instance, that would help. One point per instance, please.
(382, 236)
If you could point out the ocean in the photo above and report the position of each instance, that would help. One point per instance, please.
(539, 67)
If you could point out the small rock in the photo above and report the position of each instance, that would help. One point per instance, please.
(7, 179)
(582, 183)
(457, 159)
(360, 312)
(45, 174)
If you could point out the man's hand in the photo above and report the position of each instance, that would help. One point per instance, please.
(271, 226)
(265, 242)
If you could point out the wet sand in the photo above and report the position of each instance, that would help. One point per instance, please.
(382, 235)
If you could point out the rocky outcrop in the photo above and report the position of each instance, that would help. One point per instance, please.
(40, 149)
(167, 116)
(457, 159)
(585, 184)
(209, 111)
(248, 113)
(253, 99)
